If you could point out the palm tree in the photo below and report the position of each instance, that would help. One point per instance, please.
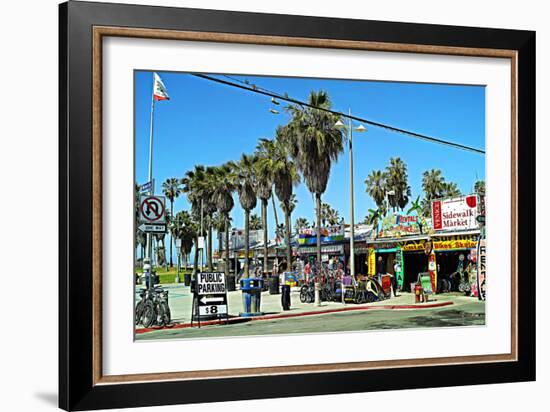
(416, 207)
(285, 177)
(397, 183)
(246, 187)
(329, 216)
(255, 222)
(223, 197)
(209, 207)
(451, 189)
(264, 189)
(301, 223)
(141, 241)
(315, 144)
(433, 185)
(171, 188)
(195, 186)
(376, 188)
(218, 223)
(479, 187)
(184, 228)
(292, 203)
(373, 218)
(161, 250)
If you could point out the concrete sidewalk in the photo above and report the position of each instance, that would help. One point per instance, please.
(180, 299)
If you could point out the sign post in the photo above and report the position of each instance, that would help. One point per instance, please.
(152, 215)
(178, 249)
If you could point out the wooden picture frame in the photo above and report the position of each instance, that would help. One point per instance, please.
(82, 28)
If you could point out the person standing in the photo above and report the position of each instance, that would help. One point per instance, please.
(380, 269)
(396, 270)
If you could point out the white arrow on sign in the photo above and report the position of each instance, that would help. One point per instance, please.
(152, 228)
(205, 300)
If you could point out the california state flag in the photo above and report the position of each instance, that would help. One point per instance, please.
(159, 89)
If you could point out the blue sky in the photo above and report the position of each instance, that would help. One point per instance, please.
(209, 123)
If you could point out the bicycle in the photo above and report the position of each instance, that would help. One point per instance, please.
(153, 308)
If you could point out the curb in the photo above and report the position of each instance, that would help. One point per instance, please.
(238, 319)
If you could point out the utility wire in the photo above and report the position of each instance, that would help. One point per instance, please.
(255, 89)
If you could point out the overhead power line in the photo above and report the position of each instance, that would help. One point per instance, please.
(259, 90)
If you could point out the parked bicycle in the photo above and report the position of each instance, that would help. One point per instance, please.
(153, 308)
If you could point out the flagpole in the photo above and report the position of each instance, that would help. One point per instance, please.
(148, 249)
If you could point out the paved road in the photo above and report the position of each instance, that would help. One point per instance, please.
(469, 313)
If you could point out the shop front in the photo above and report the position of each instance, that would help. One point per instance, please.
(390, 256)
(328, 252)
(455, 259)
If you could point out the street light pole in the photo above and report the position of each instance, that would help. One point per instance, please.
(349, 129)
(147, 262)
(351, 206)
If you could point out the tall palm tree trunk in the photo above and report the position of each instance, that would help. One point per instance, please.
(318, 199)
(287, 240)
(196, 256)
(264, 227)
(275, 213)
(246, 241)
(209, 251)
(171, 217)
(226, 247)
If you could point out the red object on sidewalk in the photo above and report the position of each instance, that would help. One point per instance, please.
(417, 293)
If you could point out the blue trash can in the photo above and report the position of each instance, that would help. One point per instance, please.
(251, 289)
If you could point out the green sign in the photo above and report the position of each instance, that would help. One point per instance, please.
(426, 282)
(399, 268)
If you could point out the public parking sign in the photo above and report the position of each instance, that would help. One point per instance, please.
(211, 293)
(151, 209)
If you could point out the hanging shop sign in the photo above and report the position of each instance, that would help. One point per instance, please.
(458, 213)
(481, 269)
(397, 225)
(413, 246)
(330, 234)
(327, 249)
(237, 237)
(372, 262)
(399, 267)
(456, 242)
(432, 269)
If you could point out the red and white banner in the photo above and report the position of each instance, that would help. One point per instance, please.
(159, 89)
(458, 213)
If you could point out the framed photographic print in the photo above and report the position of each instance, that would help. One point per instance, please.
(258, 205)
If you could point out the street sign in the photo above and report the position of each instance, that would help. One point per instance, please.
(147, 187)
(152, 228)
(211, 293)
(151, 209)
(480, 219)
(178, 243)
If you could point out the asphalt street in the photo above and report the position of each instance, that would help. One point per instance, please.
(467, 313)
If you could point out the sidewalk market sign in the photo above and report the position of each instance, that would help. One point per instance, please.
(458, 213)
(330, 234)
